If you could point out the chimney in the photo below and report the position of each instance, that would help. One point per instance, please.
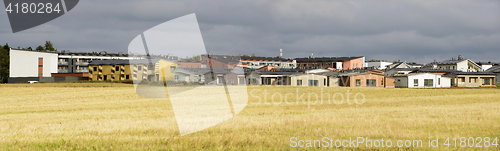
(281, 53)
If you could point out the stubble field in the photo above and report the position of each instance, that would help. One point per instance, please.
(94, 116)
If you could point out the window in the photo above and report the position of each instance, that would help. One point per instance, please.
(139, 67)
(439, 81)
(415, 82)
(371, 82)
(151, 67)
(95, 68)
(313, 83)
(232, 81)
(486, 81)
(176, 77)
(172, 69)
(127, 77)
(299, 82)
(428, 82)
(117, 68)
(105, 77)
(324, 82)
(381, 81)
(157, 77)
(220, 80)
(358, 82)
(241, 80)
(473, 80)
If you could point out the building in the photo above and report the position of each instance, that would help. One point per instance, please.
(422, 80)
(380, 65)
(485, 65)
(188, 63)
(333, 63)
(365, 79)
(311, 79)
(259, 62)
(137, 70)
(31, 66)
(399, 65)
(459, 64)
(472, 79)
(496, 70)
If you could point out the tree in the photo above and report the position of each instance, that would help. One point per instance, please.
(253, 55)
(4, 64)
(40, 48)
(49, 47)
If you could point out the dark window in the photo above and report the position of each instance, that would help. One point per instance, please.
(358, 82)
(382, 81)
(313, 82)
(371, 83)
(428, 82)
(172, 69)
(299, 82)
(117, 69)
(151, 67)
(127, 77)
(415, 82)
(105, 77)
(139, 67)
(95, 68)
(324, 82)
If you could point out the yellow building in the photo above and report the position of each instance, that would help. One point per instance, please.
(119, 70)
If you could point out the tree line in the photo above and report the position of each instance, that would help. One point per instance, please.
(5, 58)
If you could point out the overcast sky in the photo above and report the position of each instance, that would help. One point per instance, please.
(411, 30)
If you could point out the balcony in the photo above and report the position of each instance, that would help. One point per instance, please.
(82, 63)
(82, 70)
(63, 71)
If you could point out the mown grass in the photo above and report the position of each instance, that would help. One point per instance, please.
(93, 116)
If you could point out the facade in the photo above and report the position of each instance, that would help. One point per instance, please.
(399, 65)
(31, 66)
(259, 62)
(137, 70)
(485, 65)
(422, 80)
(472, 79)
(365, 79)
(333, 63)
(460, 64)
(78, 62)
(185, 63)
(314, 80)
(380, 65)
(496, 70)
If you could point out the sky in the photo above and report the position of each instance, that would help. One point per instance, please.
(406, 30)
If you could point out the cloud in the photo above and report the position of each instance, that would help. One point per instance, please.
(411, 30)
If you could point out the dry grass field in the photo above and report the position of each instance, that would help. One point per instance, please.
(94, 116)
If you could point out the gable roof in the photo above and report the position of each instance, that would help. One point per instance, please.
(495, 69)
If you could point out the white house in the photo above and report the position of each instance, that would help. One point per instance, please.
(460, 64)
(381, 65)
(422, 80)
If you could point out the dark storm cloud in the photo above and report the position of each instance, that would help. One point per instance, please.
(411, 30)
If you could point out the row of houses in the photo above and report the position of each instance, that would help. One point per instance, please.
(234, 70)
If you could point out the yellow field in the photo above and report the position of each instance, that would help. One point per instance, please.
(83, 116)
